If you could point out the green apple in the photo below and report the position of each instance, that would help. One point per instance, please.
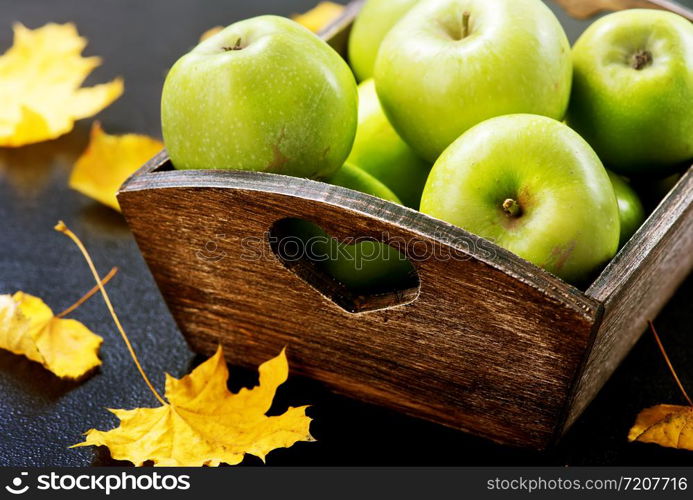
(450, 64)
(366, 266)
(263, 94)
(659, 188)
(352, 177)
(633, 90)
(376, 18)
(533, 186)
(382, 153)
(630, 210)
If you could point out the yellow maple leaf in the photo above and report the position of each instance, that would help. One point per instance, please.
(319, 16)
(64, 346)
(108, 161)
(203, 423)
(40, 85)
(665, 425)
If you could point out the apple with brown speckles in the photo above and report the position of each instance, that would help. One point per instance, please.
(263, 94)
(533, 186)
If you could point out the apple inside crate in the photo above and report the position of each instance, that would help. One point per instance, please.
(479, 340)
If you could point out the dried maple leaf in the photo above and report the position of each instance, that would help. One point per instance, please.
(64, 346)
(108, 161)
(203, 423)
(665, 425)
(319, 16)
(40, 80)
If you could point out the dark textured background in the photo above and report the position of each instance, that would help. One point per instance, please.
(40, 416)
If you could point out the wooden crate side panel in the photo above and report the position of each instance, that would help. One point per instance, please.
(477, 350)
(636, 285)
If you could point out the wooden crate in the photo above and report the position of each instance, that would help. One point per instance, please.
(486, 342)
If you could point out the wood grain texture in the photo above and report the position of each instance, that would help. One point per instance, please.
(491, 344)
(635, 286)
(584, 9)
(337, 32)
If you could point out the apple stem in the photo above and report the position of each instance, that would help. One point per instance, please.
(511, 208)
(236, 46)
(641, 59)
(465, 23)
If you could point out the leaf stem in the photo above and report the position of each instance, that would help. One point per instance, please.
(61, 227)
(671, 367)
(88, 295)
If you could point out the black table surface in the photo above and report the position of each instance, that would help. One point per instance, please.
(41, 416)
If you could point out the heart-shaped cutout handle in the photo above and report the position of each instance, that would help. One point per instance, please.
(358, 274)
